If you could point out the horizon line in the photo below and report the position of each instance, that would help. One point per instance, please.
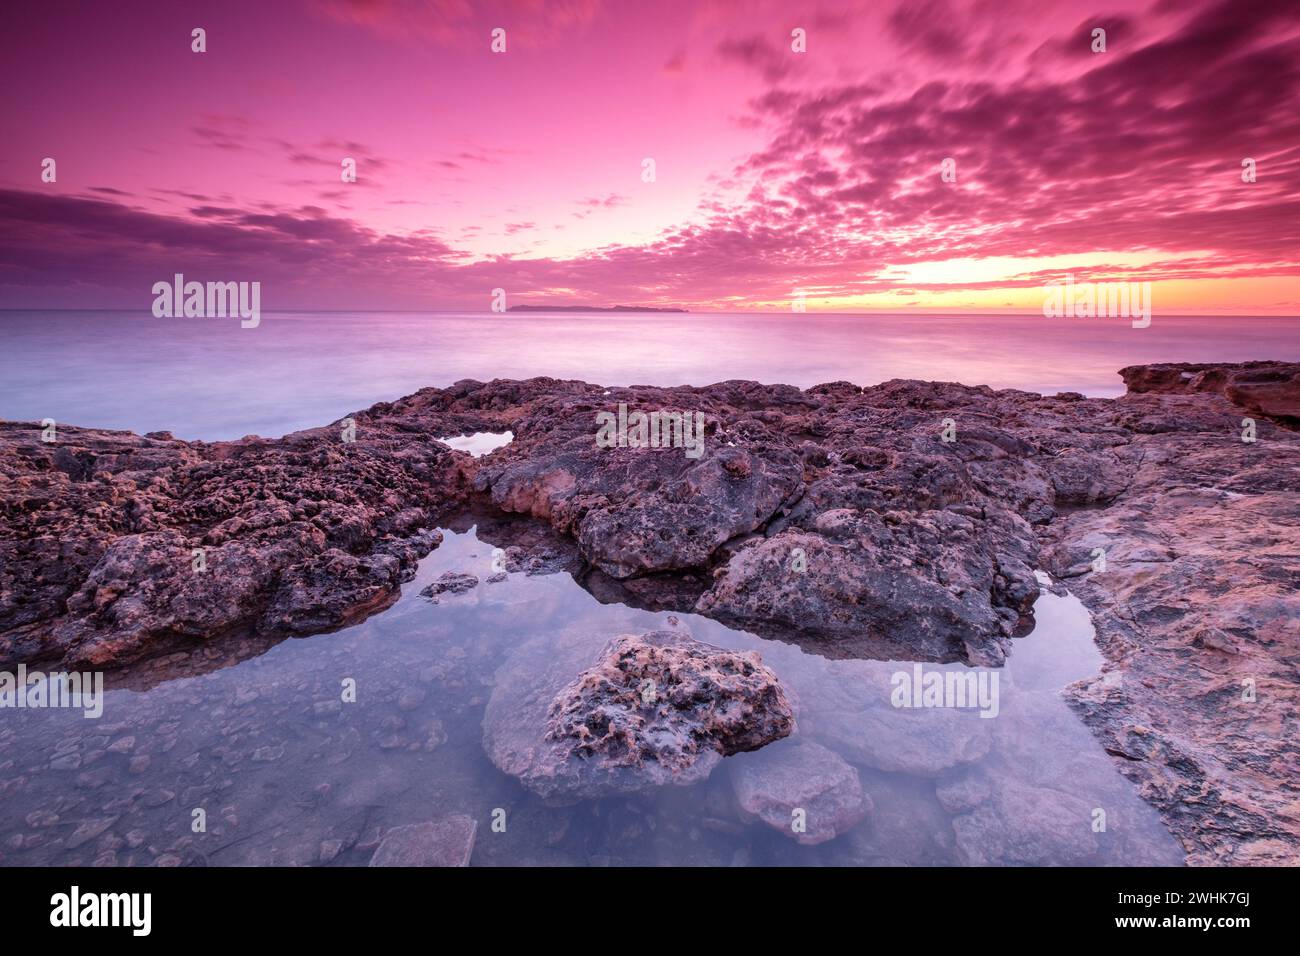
(611, 312)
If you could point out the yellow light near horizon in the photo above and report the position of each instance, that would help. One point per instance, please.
(1019, 269)
(1252, 295)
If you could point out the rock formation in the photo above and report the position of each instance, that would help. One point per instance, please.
(115, 546)
(901, 521)
(654, 709)
(1271, 389)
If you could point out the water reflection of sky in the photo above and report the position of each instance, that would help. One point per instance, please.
(289, 774)
(479, 444)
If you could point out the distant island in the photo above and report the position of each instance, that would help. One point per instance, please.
(588, 308)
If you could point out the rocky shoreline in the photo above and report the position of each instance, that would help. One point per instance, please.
(903, 521)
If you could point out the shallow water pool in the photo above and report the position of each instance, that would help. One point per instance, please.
(257, 738)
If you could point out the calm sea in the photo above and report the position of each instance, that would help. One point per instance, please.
(210, 379)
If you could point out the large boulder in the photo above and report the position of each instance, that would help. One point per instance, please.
(652, 709)
(866, 584)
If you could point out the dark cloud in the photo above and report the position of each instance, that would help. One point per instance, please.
(758, 53)
(1137, 153)
(929, 26)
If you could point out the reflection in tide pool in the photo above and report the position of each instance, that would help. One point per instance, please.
(287, 773)
(479, 443)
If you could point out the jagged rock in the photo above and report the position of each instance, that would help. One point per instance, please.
(114, 546)
(800, 775)
(915, 547)
(1271, 389)
(873, 587)
(1198, 614)
(450, 582)
(655, 709)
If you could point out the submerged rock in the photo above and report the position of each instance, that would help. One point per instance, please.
(445, 842)
(654, 709)
(802, 789)
(450, 582)
(1018, 824)
(922, 742)
(853, 712)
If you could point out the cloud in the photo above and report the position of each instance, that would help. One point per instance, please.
(220, 138)
(1140, 153)
(1136, 152)
(530, 23)
(929, 26)
(335, 151)
(758, 53)
(607, 202)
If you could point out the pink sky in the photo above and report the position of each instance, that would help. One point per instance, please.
(775, 170)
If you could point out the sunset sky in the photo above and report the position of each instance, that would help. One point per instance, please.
(775, 170)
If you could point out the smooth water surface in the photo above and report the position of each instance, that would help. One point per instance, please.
(286, 772)
(211, 379)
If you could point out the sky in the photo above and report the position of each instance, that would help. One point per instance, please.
(775, 170)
